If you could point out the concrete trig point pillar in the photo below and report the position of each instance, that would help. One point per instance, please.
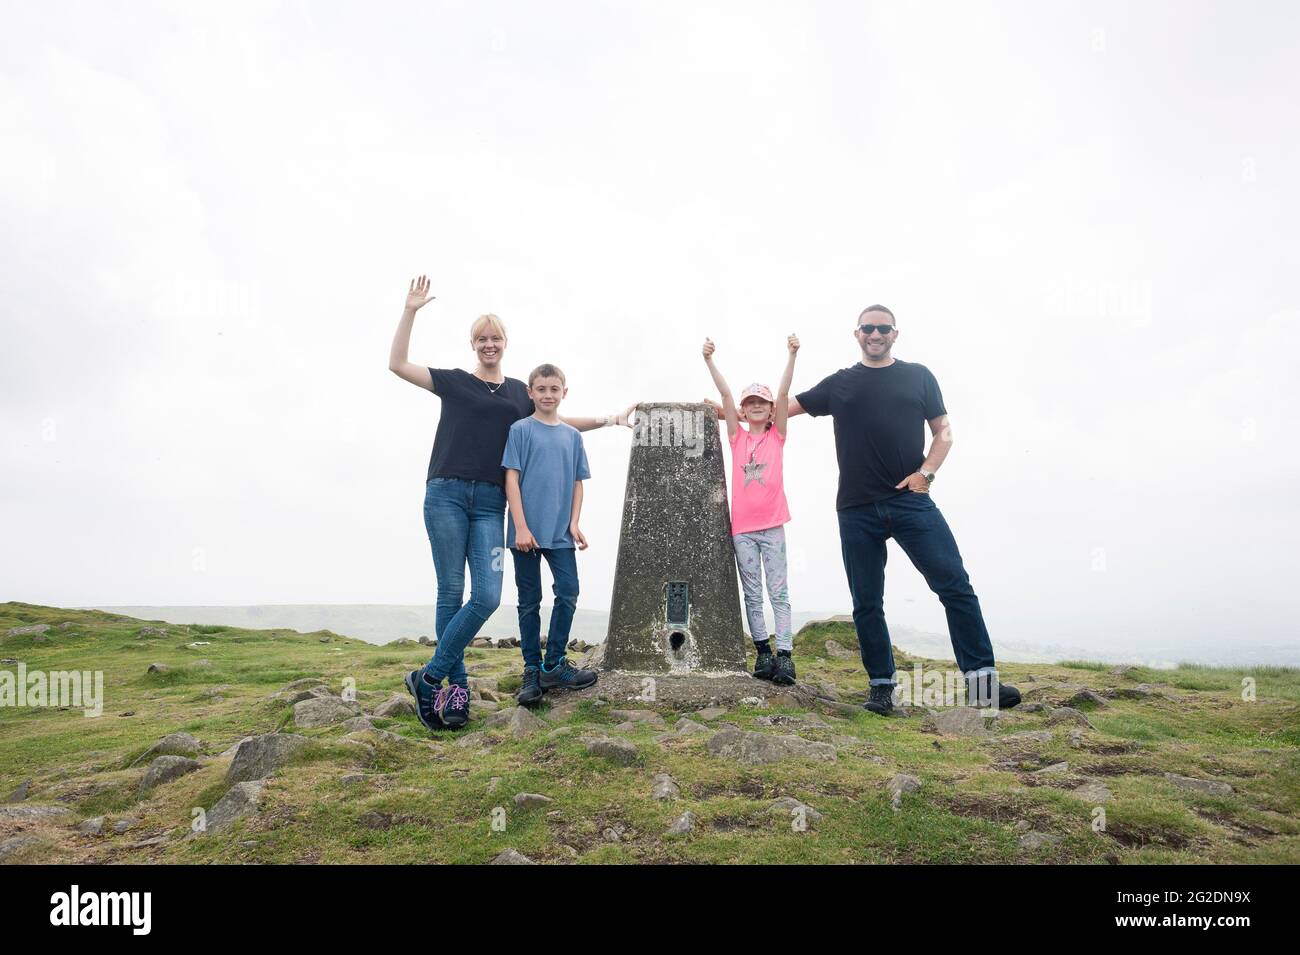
(675, 608)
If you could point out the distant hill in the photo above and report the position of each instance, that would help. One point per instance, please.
(381, 623)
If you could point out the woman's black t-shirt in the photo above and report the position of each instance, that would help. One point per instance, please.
(475, 422)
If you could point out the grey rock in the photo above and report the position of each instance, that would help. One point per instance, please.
(260, 756)
(1056, 769)
(638, 716)
(615, 750)
(19, 794)
(92, 827)
(511, 857)
(961, 721)
(1211, 786)
(517, 722)
(397, 704)
(305, 683)
(531, 800)
(158, 668)
(27, 631)
(1094, 791)
(1086, 698)
(794, 811)
(1036, 840)
(665, 787)
(1035, 707)
(13, 846)
(125, 824)
(560, 732)
(241, 800)
(173, 744)
(322, 711)
(372, 819)
(754, 749)
(899, 784)
(711, 713)
(682, 824)
(837, 652)
(166, 768)
(148, 843)
(27, 812)
(1076, 738)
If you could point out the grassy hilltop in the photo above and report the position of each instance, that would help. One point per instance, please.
(367, 788)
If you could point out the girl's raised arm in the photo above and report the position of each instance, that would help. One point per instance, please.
(728, 403)
(783, 391)
(417, 296)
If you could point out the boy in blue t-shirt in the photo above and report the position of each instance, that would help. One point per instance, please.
(545, 466)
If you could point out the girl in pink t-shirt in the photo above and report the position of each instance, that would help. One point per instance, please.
(758, 509)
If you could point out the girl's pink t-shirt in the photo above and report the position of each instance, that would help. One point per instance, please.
(757, 481)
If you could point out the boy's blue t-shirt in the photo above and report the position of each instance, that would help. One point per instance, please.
(549, 459)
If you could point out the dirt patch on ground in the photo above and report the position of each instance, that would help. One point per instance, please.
(1001, 810)
(1246, 833)
(1135, 837)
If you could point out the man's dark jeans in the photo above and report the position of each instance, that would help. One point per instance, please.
(914, 521)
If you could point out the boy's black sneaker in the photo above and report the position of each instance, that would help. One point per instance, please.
(425, 694)
(783, 670)
(881, 701)
(452, 704)
(565, 676)
(764, 665)
(530, 691)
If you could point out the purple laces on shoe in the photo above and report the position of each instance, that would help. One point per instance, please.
(459, 696)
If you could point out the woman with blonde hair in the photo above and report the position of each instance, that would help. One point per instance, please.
(464, 498)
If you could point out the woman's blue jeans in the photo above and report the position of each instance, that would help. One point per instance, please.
(466, 525)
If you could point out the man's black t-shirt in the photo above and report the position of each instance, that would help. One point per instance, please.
(880, 416)
(474, 425)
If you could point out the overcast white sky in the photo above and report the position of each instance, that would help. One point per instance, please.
(1084, 216)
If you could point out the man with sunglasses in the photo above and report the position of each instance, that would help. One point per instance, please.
(881, 406)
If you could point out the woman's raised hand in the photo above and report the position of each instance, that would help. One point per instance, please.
(792, 343)
(708, 348)
(417, 296)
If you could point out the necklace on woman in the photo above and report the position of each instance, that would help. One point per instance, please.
(489, 384)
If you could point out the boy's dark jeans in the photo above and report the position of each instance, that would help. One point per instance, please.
(914, 521)
(528, 581)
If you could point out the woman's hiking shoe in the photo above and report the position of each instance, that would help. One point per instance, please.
(881, 700)
(783, 670)
(565, 676)
(530, 690)
(764, 665)
(425, 693)
(452, 705)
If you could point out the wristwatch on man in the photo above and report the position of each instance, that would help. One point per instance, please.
(928, 475)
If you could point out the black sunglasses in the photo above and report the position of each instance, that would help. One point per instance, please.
(868, 329)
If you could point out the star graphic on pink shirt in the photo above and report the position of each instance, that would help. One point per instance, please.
(754, 472)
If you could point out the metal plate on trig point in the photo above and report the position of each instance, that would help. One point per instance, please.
(679, 604)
